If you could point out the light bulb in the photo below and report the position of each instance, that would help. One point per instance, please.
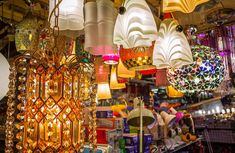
(223, 111)
(232, 110)
(209, 112)
(204, 112)
(200, 112)
(213, 111)
(228, 110)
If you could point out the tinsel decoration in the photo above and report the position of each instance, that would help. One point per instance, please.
(205, 74)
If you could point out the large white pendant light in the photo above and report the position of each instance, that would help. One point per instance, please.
(136, 27)
(99, 24)
(171, 47)
(70, 14)
(4, 68)
(185, 6)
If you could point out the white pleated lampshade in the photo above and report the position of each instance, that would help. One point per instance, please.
(171, 47)
(113, 80)
(70, 14)
(136, 27)
(185, 6)
(99, 24)
(5, 72)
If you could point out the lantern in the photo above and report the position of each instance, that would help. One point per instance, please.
(173, 93)
(205, 74)
(136, 27)
(103, 91)
(53, 113)
(161, 78)
(110, 59)
(26, 36)
(70, 15)
(113, 80)
(99, 24)
(171, 47)
(184, 6)
(123, 72)
(4, 68)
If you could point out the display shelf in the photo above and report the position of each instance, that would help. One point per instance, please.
(182, 146)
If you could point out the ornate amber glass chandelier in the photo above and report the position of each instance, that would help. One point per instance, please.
(50, 96)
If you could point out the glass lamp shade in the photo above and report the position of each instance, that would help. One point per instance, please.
(171, 47)
(99, 24)
(161, 78)
(184, 6)
(70, 14)
(4, 68)
(123, 72)
(26, 35)
(103, 91)
(53, 115)
(173, 93)
(136, 27)
(101, 71)
(205, 74)
(110, 59)
(133, 118)
(113, 80)
(136, 59)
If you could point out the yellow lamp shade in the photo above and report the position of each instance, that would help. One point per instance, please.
(123, 72)
(113, 80)
(103, 91)
(185, 6)
(173, 93)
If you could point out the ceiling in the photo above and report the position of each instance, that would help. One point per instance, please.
(13, 11)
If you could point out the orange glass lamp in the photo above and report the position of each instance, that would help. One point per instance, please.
(113, 80)
(173, 93)
(185, 6)
(123, 72)
(136, 59)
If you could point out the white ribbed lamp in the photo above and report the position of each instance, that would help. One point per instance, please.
(5, 72)
(171, 47)
(70, 14)
(136, 27)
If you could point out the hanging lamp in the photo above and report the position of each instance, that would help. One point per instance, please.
(26, 35)
(161, 78)
(113, 80)
(185, 6)
(103, 91)
(99, 24)
(111, 59)
(171, 47)
(134, 32)
(173, 93)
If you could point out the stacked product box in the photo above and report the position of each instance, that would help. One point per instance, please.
(132, 142)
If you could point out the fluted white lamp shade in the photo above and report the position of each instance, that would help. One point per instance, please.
(113, 80)
(99, 24)
(185, 6)
(71, 15)
(136, 27)
(5, 72)
(171, 47)
(103, 91)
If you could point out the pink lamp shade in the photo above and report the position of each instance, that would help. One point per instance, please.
(110, 59)
(178, 115)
